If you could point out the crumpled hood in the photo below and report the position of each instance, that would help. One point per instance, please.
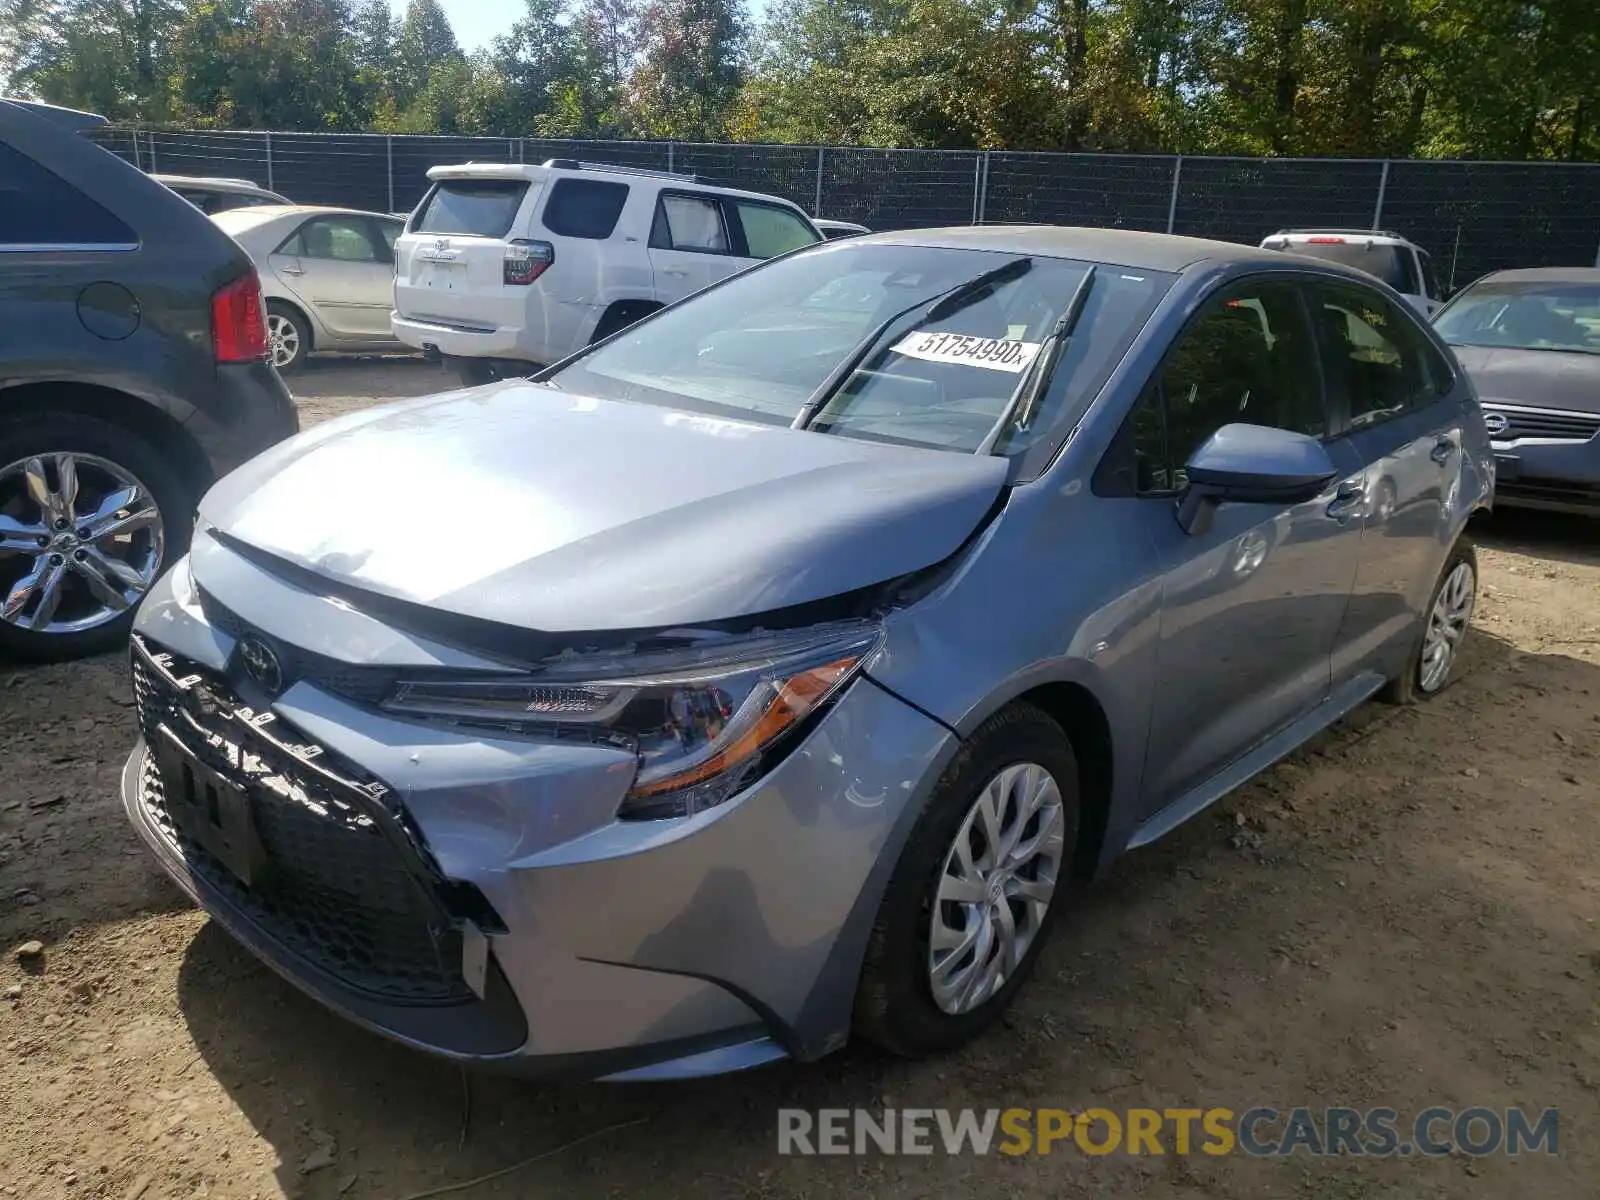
(554, 512)
(1569, 381)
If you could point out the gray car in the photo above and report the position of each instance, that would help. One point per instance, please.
(1531, 342)
(764, 672)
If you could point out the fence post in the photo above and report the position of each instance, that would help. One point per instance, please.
(977, 189)
(388, 146)
(137, 161)
(816, 206)
(1172, 204)
(152, 136)
(1383, 190)
(522, 150)
(270, 186)
(672, 157)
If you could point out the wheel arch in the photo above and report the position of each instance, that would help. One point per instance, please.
(299, 310)
(115, 407)
(1075, 709)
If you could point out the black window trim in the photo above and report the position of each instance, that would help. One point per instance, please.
(741, 242)
(1112, 477)
(729, 221)
(68, 247)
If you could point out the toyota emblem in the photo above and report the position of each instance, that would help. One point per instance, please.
(1496, 423)
(261, 664)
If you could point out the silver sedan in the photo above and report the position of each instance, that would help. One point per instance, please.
(327, 275)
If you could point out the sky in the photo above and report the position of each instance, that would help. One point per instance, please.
(479, 22)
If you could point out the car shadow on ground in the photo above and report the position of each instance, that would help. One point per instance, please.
(380, 376)
(1560, 537)
(1365, 924)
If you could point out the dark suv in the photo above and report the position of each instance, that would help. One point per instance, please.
(133, 373)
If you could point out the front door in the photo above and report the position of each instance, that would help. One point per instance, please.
(690, 245)
(1250, 607)
(341, 266)
(1388, 389)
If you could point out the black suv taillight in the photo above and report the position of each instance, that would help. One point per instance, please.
(238, 321)
(527, 260)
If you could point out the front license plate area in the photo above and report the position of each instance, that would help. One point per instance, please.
(1506, 466)
(213, 810)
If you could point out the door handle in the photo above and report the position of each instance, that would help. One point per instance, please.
(1347, 500)
(292, 270)
(1443, 450)
(674, 272)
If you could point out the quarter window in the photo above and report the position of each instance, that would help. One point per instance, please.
(585, 208)
(39, 208)
(1380, 365)
(770, 231)
(690, 223)
(1249, 357)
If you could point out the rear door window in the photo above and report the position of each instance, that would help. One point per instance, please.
(770, 231)
(694, 223)
(585, 208)
(1380, 365)
(39, 208)
(471, 207)
(340, 239)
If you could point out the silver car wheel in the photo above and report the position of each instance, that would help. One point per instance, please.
(995, 888)
(283, 338)
(1447, 627)
(81, 541)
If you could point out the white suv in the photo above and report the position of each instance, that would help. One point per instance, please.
(1402, 264)
(508, 264)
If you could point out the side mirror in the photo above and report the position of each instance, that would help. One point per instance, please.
(1252, 464)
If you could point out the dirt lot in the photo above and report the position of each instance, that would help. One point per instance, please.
(1404, 914)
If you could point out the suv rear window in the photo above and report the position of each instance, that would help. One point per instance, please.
(475, 207)
(1388, 263)
(584, 208)
(39, 208)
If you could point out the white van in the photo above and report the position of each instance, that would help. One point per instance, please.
(1402, 264)
(504, 266)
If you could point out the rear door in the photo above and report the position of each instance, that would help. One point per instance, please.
(451, 260)
(1390, 391)
(340, 265)
(691, 244)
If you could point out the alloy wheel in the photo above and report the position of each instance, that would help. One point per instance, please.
(81, 541)
(1447, 627)
(995, 888)
(283, 338)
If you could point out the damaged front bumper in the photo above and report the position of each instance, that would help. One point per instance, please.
(474, 895)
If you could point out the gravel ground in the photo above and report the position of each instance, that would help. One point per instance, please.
(1402, 914)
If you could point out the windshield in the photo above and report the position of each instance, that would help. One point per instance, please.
(763, 344)
(1525, 316)
(1386, 262)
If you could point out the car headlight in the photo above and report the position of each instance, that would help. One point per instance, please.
(703, 722)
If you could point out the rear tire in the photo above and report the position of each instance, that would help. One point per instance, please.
(288, 337)
(1445, 623)
(921, 994)
(107, 458)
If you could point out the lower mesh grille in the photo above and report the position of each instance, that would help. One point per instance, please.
(341, 887)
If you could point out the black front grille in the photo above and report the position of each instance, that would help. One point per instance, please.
(1574, 427)
(344, 886)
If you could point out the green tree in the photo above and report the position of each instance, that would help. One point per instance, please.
(688, 76)
(426, 44)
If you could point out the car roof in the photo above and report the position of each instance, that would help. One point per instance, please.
(567, 169)
(69, 118)
(1544, 275)
(1125, 247)
(211, 183)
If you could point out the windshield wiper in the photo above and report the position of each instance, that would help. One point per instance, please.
(1032, 385)
(932, 309)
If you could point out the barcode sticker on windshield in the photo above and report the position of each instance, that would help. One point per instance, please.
(994, 354)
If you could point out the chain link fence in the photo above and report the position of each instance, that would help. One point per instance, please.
(1473, 217)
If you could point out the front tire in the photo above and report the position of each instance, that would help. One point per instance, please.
(977, 889)
(91, 514)
(1445, 622)
(288, 337)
